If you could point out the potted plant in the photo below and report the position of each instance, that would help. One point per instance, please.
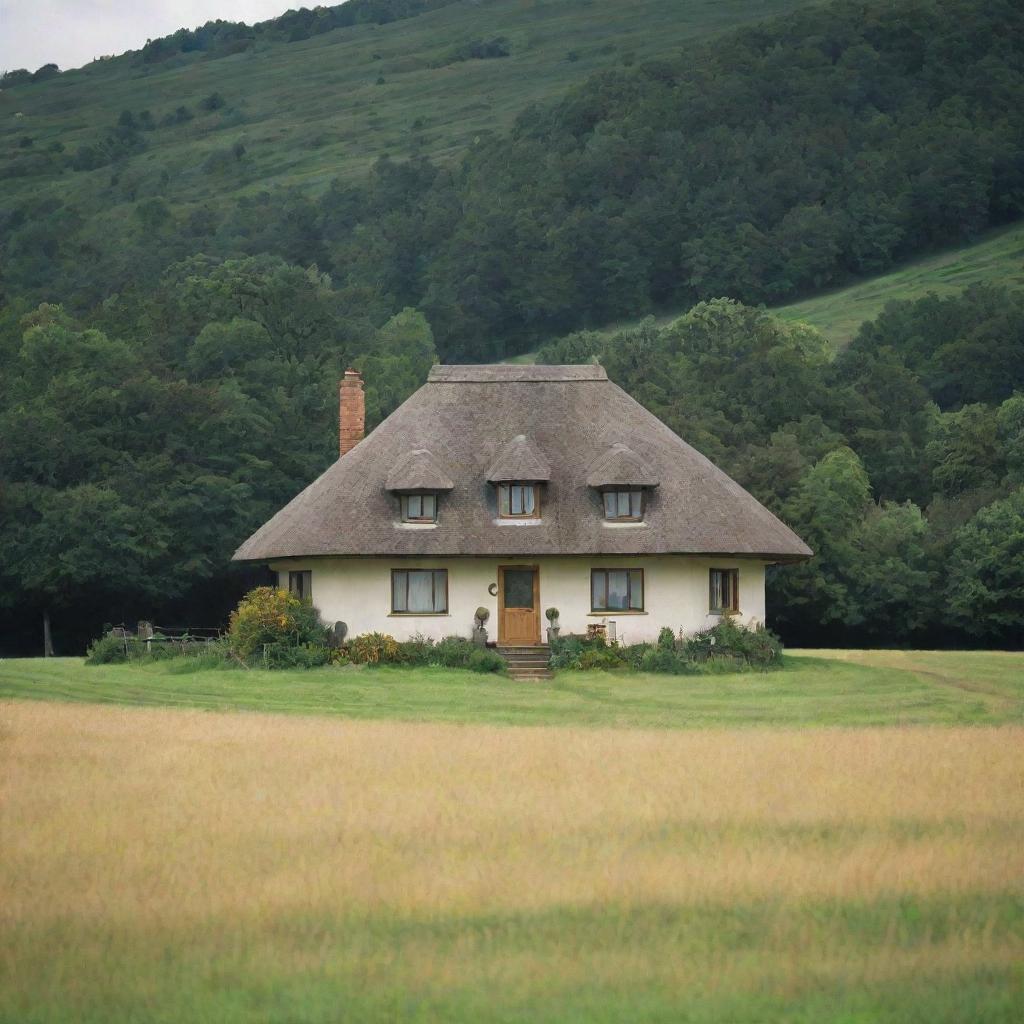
(553, 628)
(479, 629)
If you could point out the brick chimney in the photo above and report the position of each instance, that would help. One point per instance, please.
(351, 411)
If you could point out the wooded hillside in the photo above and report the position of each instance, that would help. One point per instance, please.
(180, 382)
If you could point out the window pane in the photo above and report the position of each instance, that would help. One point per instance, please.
(622, 504)
(636, 589)
(517, 500)
(503, 499)
(421, 591)
(636, 504)
(528, 495)
(610, 504)
(399, 582)
(617, 583)
(440, 590)
(597, 582)
(429, 506)
(518, 588)
(415, 506)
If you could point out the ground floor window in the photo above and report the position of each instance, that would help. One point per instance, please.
(419, 591)
(616, 590)
(725, 590)
(301, 584)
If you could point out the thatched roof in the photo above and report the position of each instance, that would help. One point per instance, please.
(418, 470)
(572, 415)
(620, 466)
(520, 460)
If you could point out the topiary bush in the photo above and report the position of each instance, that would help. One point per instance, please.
(273, 618)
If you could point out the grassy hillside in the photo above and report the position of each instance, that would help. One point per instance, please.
(312, 110)
(998, 258)
(815, 688)
(168, 866)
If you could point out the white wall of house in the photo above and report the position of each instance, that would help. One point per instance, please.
(357, 591)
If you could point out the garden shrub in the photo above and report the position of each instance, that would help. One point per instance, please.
(417, 650)
(666, 660)
(728, 646)
(451, 652)
(374, 649)
(113, 650)
(731, 640)
(483, 660)
(269, 616)
(107, 650)
(457, 652)
(292, 656)
(578, 652)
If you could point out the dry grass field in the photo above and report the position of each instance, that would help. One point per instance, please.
(181, 865)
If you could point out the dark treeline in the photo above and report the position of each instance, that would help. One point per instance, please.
(770, 162)
(901, 461)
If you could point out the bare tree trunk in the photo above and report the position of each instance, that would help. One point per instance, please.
(47, 638)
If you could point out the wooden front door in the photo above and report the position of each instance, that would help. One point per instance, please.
(518, 605)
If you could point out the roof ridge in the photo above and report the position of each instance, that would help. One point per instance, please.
(505, 373)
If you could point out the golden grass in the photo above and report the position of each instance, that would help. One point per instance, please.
(170, 828)
(180, 815)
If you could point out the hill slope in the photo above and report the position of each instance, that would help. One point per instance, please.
(998, 258)
(314, 109)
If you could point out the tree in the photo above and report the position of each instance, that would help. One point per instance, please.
(985, 582)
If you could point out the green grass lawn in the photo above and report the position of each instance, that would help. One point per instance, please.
(814, 688)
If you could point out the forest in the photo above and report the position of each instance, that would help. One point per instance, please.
(170, 377)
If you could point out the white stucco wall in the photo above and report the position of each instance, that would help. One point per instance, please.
(357, 591)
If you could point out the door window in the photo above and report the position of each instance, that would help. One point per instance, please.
(518, 588)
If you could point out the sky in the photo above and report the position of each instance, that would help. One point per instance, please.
(72, 32)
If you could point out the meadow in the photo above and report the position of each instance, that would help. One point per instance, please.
(181, 865)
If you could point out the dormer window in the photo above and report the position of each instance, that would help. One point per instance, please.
(624, 506)
(518, 501)
(419, 508)
(518, 470)
(418, 478)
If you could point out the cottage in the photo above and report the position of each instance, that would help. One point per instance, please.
(521, 488)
